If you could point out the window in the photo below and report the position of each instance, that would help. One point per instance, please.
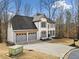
(48, 26)
(53, 32)
(43, 24)
(32, 33)
(29, 33)
(52, 25)
(21, 34)
(43, 34)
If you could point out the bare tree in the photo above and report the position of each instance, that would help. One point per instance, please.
(18, 5)
(27, 9)
(1, 10)
(47, 5)
(40, 6)
(59, 26)
(2, 7)
(5, 20)
(68, 22)
(4, 4)
(77, 19)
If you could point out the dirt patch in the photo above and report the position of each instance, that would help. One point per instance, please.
(64, 41)
(26, 54)
(35, 55)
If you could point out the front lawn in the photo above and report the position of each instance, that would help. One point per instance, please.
(64, 41)
(26, 55)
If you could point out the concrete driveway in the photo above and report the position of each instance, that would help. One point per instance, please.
(54, 49)
(73, 54)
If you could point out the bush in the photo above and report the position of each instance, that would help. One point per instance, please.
(10, 43)
(78, 36)
(0, 41)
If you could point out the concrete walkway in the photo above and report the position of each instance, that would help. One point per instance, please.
(54, 49)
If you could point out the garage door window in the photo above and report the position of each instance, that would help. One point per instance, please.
(21, 34)
(32, 33)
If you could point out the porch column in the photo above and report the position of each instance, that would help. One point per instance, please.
(47, 30)
(27, 38)
(47, 33)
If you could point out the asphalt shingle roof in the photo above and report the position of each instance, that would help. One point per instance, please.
(22, 22)
(38, 16)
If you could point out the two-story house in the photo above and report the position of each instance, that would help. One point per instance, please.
(24, 29)
(46, 27)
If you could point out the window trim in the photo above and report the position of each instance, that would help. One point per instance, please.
(43, 24)
(43, 33)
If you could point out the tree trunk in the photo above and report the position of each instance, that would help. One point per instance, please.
(0, 32)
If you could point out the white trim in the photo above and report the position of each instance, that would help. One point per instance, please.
(24, 29)
(27, 38)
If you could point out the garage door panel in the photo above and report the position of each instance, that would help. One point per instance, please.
(21, 38)
(32, 37)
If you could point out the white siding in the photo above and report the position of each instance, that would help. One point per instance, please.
(40, 29)
(52, 28)
(11, 35)
(44, 29)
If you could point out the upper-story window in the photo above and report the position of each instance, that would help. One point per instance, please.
(43, 24)
(52, 25)
(48, 26)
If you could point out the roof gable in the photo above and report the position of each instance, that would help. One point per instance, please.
(38, 17)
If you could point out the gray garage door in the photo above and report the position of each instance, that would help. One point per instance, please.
(32, 36)
(21, 38)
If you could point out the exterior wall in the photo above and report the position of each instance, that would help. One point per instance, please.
(32, 37)
(40, 29)
(11, 35)
(44, 29)
(38, 32)
(52, 28)
(23, 37)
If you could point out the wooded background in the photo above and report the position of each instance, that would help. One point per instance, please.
(66, 26)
